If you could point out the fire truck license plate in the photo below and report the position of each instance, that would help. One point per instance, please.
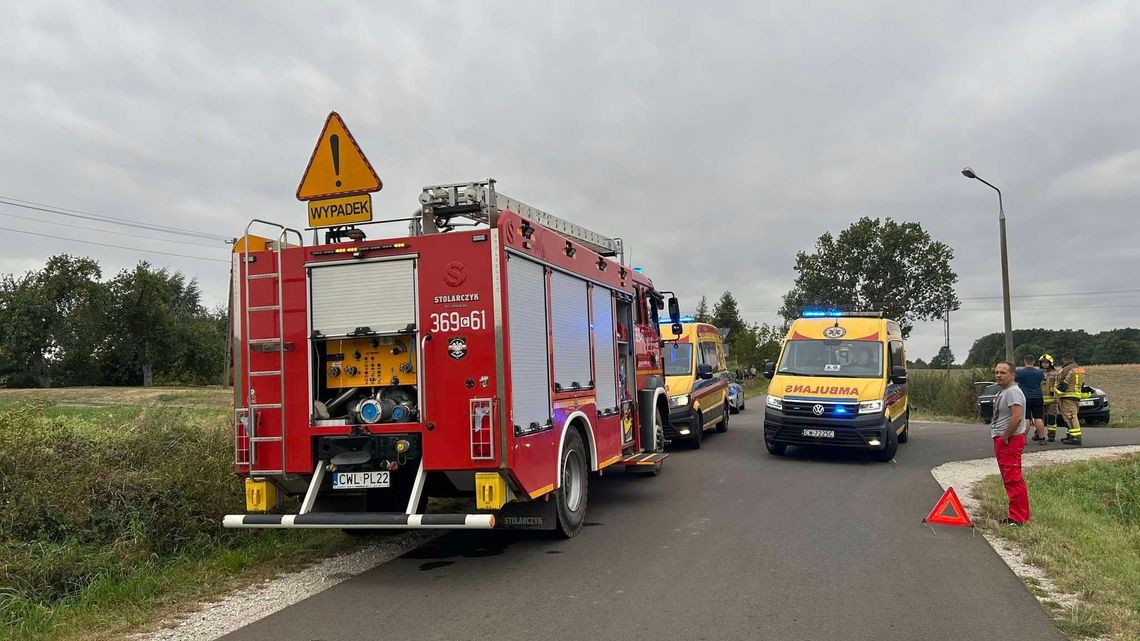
(360, 480)
(820, 433)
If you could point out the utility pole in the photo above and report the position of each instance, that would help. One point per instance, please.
(947, 319)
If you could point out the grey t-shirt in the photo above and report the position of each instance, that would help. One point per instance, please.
(1006, 399)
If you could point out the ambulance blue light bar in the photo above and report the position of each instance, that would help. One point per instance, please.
(684, 319)
(812, 312)
(822, 313)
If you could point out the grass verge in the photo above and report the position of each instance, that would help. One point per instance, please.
(110, 518)
(755, 387)
(1085, 533)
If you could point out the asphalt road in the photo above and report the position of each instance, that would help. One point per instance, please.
(728, 543)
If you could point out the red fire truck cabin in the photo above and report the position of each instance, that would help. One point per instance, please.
(497, 352)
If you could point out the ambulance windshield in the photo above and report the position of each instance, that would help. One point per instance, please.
(678, 359)
(847, 359)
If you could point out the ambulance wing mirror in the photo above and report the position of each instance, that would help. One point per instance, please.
(769, 369)
(898, 374)
(704, 371)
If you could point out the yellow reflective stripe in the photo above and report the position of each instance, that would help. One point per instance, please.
(542, 490)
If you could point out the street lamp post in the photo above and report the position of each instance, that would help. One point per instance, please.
(969, 173)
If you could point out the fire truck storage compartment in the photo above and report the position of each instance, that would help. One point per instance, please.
(605, 384)
(527, 324)
(570, 320)
(364, 342)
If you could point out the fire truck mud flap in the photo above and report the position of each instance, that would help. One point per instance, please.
(532, 515)
(365, 520)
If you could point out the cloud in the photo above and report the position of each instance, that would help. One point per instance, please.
(716, 140)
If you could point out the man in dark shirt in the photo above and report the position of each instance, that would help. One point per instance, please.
(1029, 379)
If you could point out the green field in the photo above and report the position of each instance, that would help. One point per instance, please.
(1085, 533)
(110, 515)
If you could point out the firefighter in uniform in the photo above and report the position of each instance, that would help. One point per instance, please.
(1069, 394)
(1048, 392)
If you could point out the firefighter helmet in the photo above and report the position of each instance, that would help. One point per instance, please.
(1046, 358)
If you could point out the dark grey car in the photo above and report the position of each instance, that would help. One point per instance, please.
(1094, 409)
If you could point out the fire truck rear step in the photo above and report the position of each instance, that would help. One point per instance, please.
(362, 520)
(643, 458)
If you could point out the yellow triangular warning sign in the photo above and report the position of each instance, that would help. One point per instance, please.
(337, 167)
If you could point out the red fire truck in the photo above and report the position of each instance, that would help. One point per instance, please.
(496, 351)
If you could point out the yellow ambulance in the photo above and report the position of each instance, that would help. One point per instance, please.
(696, 379)
(840, 381)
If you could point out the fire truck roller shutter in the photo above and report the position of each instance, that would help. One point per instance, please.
(604, 368)
(530, 375)
(377, 295)
(571, 324)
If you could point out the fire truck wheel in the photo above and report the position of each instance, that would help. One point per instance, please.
(570, 498)
(659, 427)
(697, 430)
(722, 426)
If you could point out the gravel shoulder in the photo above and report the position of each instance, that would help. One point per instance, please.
(963, 475)
(213, 620)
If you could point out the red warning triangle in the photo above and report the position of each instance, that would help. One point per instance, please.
(955, 515)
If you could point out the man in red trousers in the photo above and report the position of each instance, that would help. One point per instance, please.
(1008, 428)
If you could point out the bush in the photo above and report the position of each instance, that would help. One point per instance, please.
(934, 393)
(82, 501)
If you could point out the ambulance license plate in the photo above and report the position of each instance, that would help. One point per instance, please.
(820, 433)
(361, 480)
(1088, 403)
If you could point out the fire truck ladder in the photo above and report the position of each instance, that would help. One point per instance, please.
(264, 344)
(478, 201)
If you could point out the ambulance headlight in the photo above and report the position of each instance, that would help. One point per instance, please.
(679, 400)
(871, 407)
(774, 402)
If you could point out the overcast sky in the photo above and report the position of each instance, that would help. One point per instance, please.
(718, 139)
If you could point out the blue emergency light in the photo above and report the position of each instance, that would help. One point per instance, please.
(822, 313)
(832, 312)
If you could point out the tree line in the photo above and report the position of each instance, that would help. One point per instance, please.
(748, 344)
(1103, 348)
(64, 325)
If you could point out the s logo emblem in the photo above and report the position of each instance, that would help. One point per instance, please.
(834, 331)
(455, 274)
(817, 409)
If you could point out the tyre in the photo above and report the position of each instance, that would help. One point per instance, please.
(775, 449)
(570, 498)
(660, 443)
(722, 426)
(905, 436)
(887, 454)
(696, 431)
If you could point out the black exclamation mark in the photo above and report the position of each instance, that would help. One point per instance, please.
(334, 144)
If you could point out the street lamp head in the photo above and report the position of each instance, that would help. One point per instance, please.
(969, 173)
